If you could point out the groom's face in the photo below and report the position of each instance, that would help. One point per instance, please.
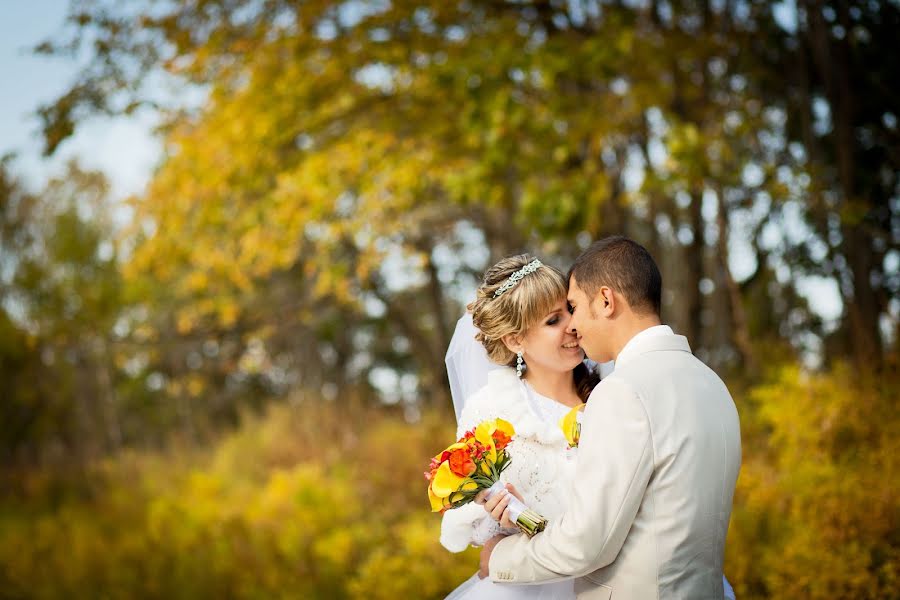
(588, 325)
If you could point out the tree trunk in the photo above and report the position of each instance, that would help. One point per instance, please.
(440, 384)
(614, 220)
(832, 62)
(693, 273)
(740, 332)
(863, 308)
(108, 391)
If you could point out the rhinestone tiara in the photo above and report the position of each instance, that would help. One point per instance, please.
(516, 277)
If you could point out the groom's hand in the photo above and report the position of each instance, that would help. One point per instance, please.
(485, 561)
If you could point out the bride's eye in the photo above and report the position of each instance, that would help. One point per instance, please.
(553, 320)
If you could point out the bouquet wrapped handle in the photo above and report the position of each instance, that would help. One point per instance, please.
(528, 521)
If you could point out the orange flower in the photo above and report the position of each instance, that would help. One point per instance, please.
(501, 439)
(461, 462)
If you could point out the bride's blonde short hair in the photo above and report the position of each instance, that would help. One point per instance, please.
(517, 310)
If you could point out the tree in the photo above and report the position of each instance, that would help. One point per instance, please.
(353, 144)
(60, 297)
(843, 113)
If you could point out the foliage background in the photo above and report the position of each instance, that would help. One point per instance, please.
(232, 392)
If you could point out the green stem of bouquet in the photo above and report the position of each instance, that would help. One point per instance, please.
(484, 481)
(531, 523)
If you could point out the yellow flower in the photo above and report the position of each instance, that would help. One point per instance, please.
(571, 427)
(445, 482)
(437, 504)
(467, 486)
(449, 488)
(451, 448)
(484, 433)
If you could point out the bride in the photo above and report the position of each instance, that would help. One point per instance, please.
(528, 370)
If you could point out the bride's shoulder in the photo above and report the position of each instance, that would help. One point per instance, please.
(499, 397)
(502, 396)
(502, 384)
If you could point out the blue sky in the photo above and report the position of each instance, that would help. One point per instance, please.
(123, 148)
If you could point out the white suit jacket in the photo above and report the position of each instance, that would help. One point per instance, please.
(657, 464)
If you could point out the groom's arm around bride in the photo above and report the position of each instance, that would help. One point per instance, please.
(659, 452)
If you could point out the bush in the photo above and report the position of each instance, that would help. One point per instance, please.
(815, 513)
(329, 501)
(306, 504)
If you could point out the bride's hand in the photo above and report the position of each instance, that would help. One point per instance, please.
(497, 503)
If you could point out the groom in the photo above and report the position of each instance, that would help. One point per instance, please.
(659, 454)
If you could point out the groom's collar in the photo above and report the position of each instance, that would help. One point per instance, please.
(658, 337)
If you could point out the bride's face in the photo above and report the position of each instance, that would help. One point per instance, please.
(549, 345)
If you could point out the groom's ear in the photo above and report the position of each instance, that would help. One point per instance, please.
(605, 302)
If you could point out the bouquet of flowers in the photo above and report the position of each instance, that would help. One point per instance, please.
(474, 463)
(571, 425)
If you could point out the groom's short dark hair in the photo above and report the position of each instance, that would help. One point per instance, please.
(623, 265)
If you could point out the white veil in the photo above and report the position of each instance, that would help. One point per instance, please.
(467, 363)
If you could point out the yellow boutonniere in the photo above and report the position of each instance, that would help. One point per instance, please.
(571, 426)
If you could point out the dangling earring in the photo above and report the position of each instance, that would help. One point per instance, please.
(520, 365)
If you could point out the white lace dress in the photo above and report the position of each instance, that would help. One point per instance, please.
(542, 469)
